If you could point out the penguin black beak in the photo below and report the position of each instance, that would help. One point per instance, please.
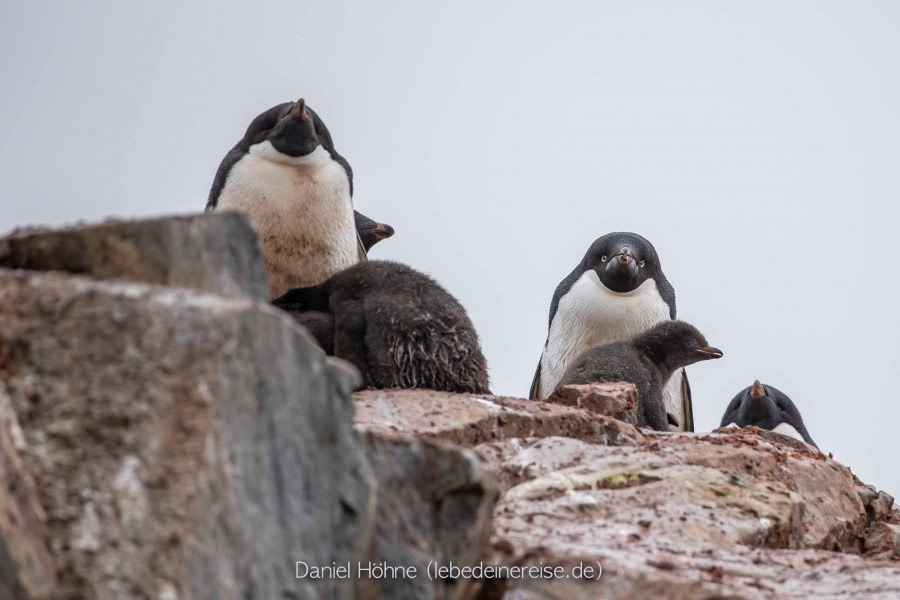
(623, 262)
(300, 109)
(381, 231)
(757, 391)
(710, 352)
(624, 256)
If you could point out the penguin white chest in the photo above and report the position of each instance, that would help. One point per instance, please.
(591, 314)
(301, 208)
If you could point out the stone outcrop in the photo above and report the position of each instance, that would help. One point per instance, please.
(187, 441)
(166, 434)
(217, 252)
(727, 514)
(435, 504)
(616, 400)
(469, 419)
(181, 444)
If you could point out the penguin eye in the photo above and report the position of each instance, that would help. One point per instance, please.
(642, 263)
(603, 258)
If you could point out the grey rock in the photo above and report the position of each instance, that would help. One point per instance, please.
(26, 568)
(216, 252)
(182, 445)
(434, 506)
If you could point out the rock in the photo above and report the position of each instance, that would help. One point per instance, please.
(434, 504)
(181, 445)
(26, 568)
(736, 513)
(470, 419)
(772, 436)
(679, 516)
(617, 400)
(728, 573)
(216, 252)
(883, 540)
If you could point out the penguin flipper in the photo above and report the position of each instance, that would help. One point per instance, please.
(231, 159)
(687, 404)
(302, 299)
(534, 392)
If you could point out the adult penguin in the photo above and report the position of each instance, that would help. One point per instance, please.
(296, 189)
(616, 292)
(769, 408)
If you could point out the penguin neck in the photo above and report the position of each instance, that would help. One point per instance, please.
(590, 314)
(655, 350)
(315, 159)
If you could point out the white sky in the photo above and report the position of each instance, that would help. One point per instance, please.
(756, 145)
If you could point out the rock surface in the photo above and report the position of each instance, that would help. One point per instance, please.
(730, 514)
(617, 400)
(171, 445)
(216, 252)
(435, 504)
(470, 419)
(166, 443)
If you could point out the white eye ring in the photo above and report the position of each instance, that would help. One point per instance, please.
(642, 264)
(603, 258)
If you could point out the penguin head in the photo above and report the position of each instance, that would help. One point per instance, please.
(673, 345)
(622, 261)
(768, 408)
(371, 232)
(291, 132)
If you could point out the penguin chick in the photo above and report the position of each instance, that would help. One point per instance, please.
(296, 189)
(616, 292)
(371, 232)
(648, 361)
(767, 408)
(398, 326)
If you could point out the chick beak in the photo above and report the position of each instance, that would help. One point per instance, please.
(710, 352)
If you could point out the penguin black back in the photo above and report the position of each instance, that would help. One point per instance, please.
(648, 361)
(397, 325)
(768, 408)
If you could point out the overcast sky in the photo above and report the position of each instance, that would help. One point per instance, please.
(756, 145)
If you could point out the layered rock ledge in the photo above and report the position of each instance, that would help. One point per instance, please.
(165, 434)
(732, 513)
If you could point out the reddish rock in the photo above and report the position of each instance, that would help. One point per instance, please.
(681, 516)
(616, 400)
(772, 436)
(735, 513)
(470, 419)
